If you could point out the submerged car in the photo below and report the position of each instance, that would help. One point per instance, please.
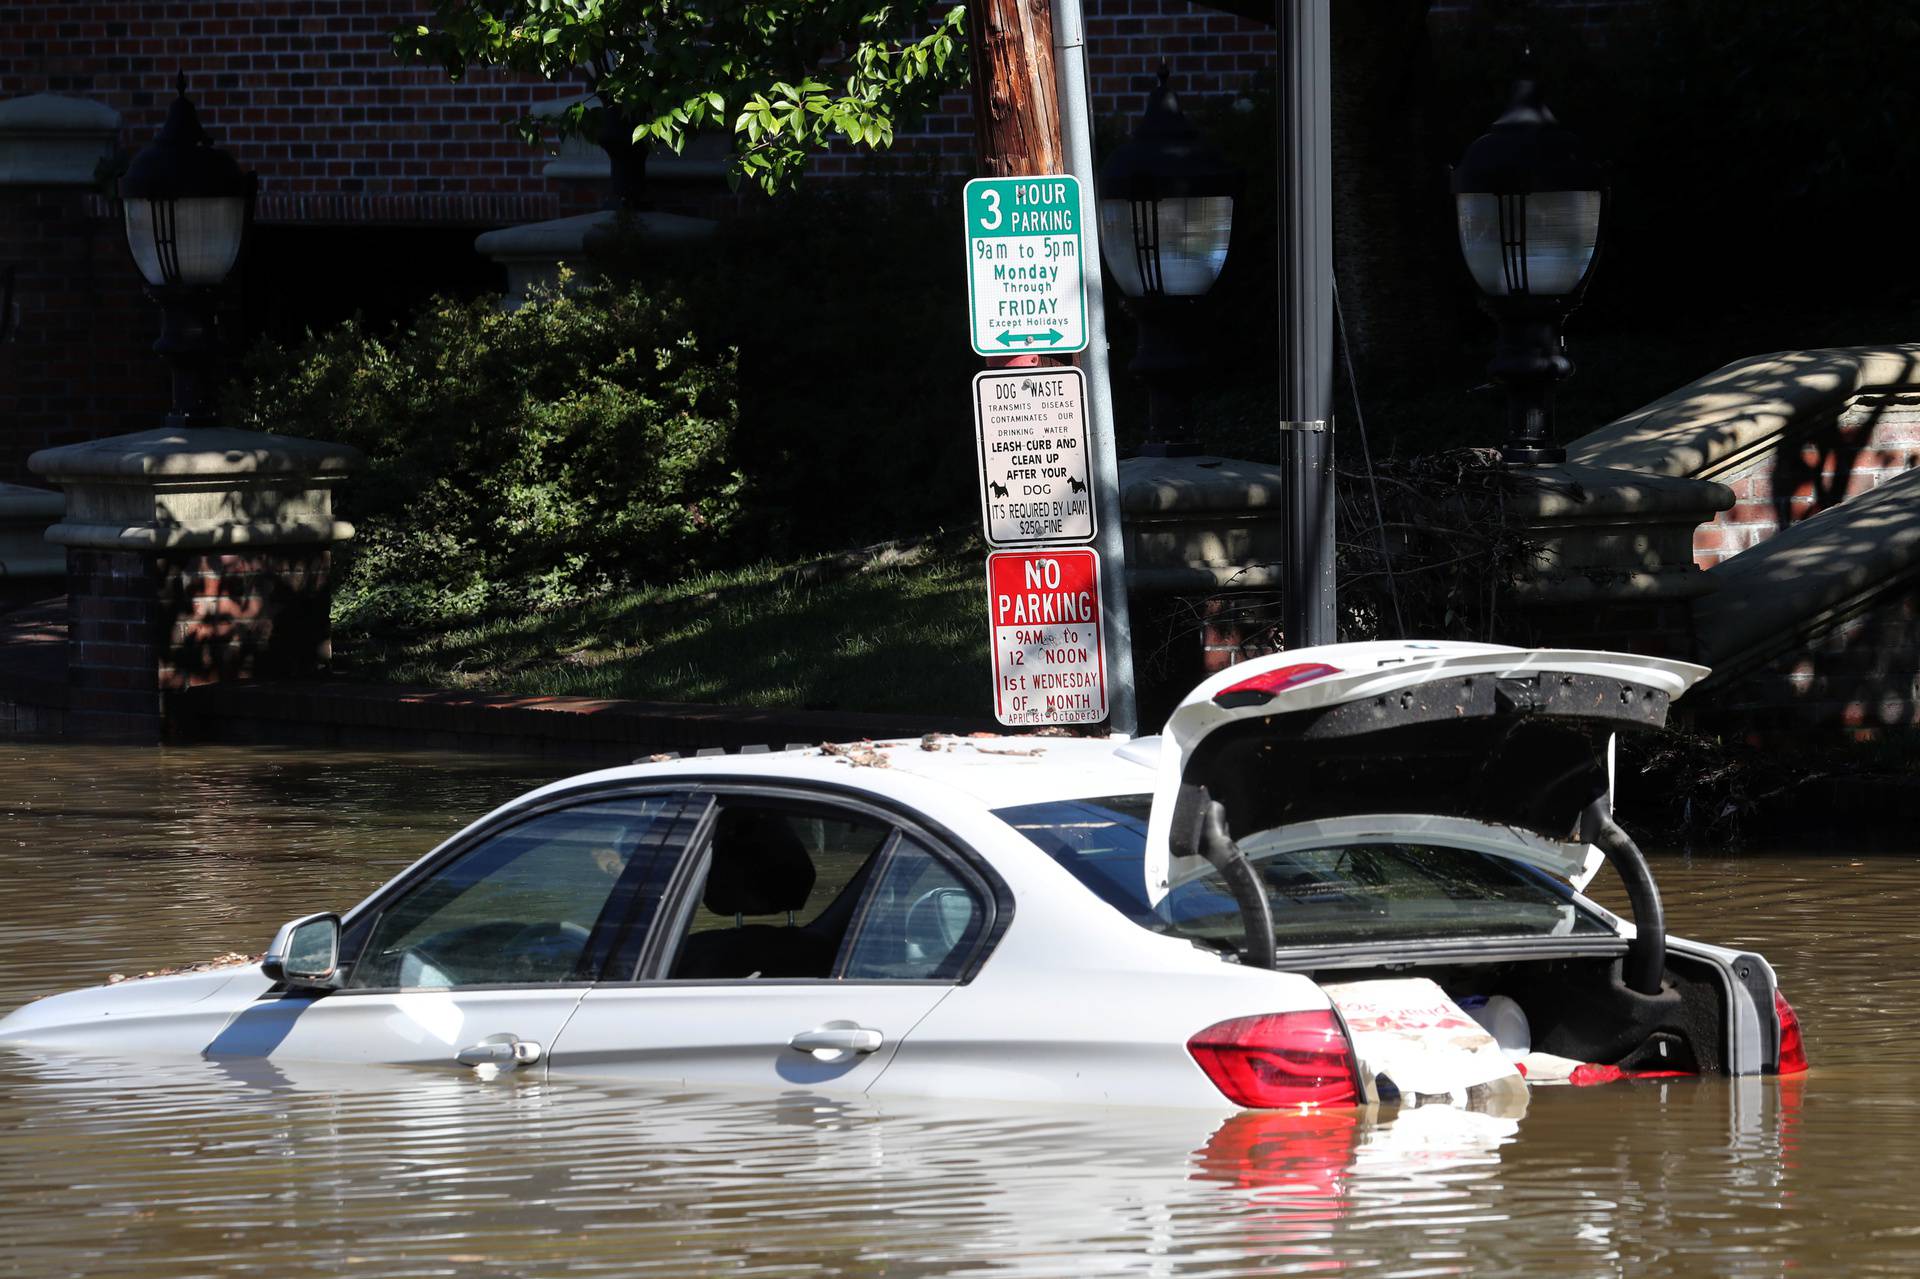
(1176, 920)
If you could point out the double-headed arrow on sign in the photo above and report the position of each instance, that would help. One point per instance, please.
(1050, 337)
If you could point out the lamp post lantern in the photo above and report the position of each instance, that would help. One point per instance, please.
(1166, 218)
(187, 207)
(1530, 206)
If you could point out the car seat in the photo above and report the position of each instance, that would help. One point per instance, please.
(757, 866)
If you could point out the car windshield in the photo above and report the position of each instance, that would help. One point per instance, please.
(1352, 891)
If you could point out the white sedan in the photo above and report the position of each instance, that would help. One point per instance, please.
(1325, 849)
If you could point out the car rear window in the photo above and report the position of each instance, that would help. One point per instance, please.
(1340, 892)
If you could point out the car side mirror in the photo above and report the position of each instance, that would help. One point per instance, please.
(305, 952)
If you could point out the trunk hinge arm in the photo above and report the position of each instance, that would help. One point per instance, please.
(1249, 893)
(1646, 963)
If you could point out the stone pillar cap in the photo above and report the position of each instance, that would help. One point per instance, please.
(1714, 423)
(55, 113)
(196, 453)
(21, 502)
(562, 238)
(50, 140)
(1150, 485)
(1576, 491)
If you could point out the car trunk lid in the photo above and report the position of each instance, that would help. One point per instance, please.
(1508, 737)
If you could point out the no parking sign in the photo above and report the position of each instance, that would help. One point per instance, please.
(1048, 663)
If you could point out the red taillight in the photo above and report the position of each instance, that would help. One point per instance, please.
(1793, 1052)
(1280, 1061)
(1258, 689)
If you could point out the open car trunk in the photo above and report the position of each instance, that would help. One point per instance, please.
(1397, 806)
(1513, 738)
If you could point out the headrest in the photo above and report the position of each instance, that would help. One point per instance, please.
(759, 866)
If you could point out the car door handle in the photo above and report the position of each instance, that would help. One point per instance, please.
(504, 1051)
(838, 1039)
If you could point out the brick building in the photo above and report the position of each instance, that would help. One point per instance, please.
(375, 177)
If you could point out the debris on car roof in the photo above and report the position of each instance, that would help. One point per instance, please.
(861, 754)
(232, 959)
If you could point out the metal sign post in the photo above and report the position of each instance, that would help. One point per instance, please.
(1076, 130)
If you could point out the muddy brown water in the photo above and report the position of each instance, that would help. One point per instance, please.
(119, 861)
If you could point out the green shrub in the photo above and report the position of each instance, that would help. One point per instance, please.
(527, 458)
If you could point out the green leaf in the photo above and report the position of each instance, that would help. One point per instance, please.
(672, 66)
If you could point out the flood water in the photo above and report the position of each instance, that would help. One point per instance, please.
(125, 860)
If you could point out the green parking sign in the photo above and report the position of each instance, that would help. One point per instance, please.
(1026, 289)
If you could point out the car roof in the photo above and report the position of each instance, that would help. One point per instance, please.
(994, 771)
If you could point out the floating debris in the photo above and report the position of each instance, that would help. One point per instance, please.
(232, 959)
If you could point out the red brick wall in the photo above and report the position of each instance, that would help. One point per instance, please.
(141, 626)
(113, 624)
(1875, 440)
(307, 92)
(79, 362)
(1594, 16)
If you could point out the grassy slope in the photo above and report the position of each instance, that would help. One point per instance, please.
(910, 635)
(913, 636)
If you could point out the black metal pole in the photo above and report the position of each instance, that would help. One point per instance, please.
(1528, 359)
(187, 340)
(1304, 155)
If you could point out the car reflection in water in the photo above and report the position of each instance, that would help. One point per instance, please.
(522, 1171)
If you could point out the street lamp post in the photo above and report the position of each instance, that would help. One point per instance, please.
(1166, 218)
(1303, 162)
(187, 207)
(1530, 206)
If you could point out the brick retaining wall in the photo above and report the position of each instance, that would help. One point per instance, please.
(1875, 439)
(142, 626)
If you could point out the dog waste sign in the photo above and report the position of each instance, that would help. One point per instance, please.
(1025, 288)
(1031, 426)
(1048, 663)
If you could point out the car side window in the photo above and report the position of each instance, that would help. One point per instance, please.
(920, 923)
(521, 906)
(780, 892)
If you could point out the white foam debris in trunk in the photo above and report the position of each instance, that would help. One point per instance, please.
(1418, 1046)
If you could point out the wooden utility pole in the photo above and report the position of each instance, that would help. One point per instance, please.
(1032, 121)
(1016, 110)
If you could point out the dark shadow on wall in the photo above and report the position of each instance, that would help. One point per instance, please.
(1859, 680)
(1820, 463)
